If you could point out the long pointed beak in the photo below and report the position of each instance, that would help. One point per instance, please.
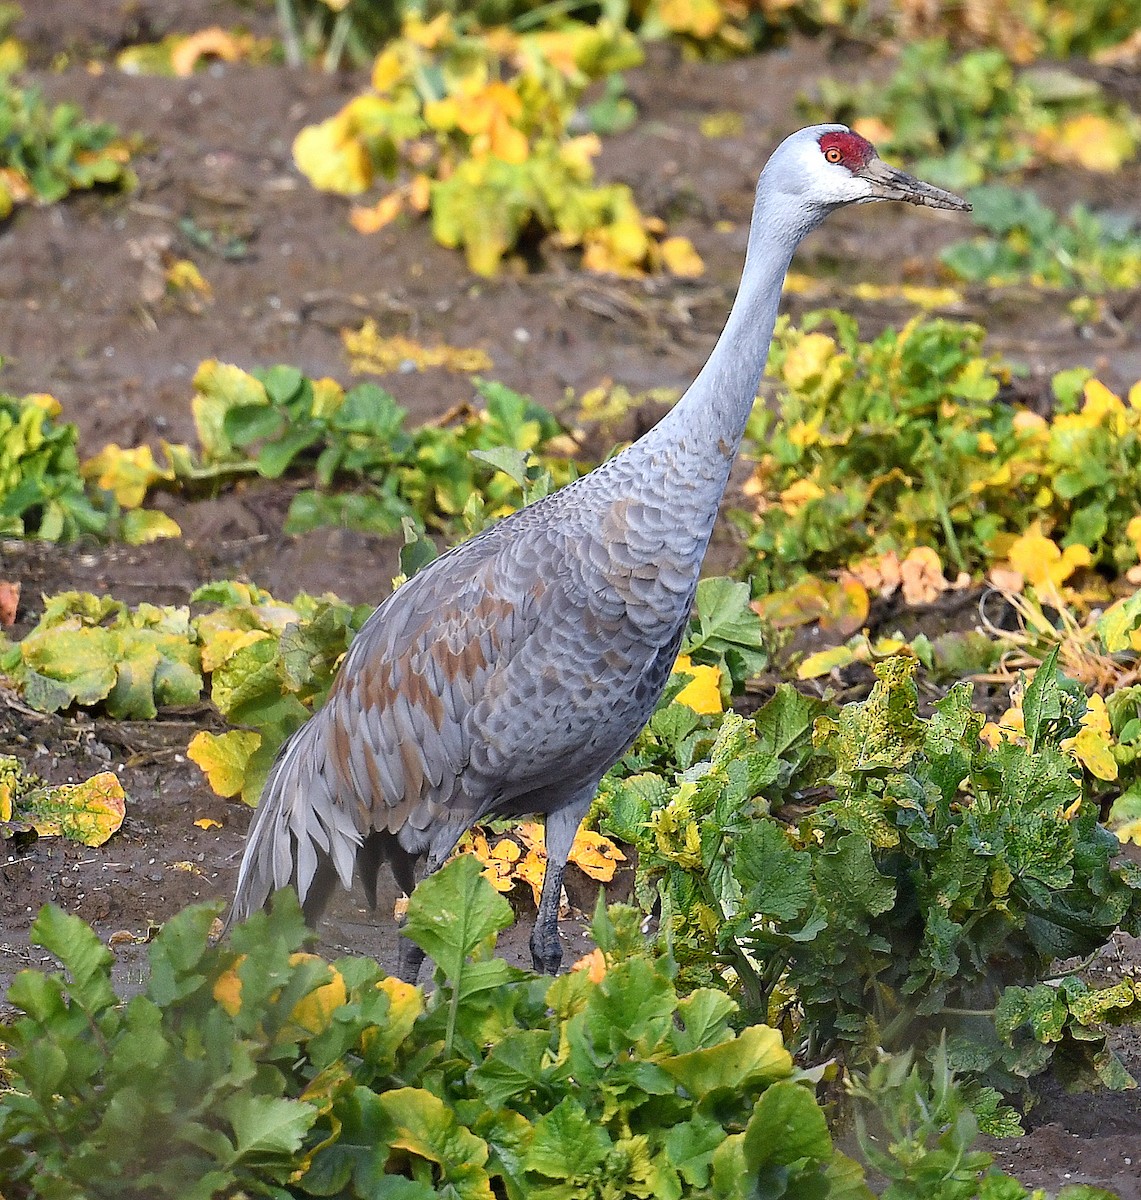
(893, 184)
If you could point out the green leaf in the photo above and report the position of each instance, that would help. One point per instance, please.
(787, 1128)
(513, 1067)
(82, 954)
(756, 1056)
(266, 1127)
(690, 1147)
(778, 875)
(453, 911)
(848, 876)
(705, 1015)
(425, 1126)
(1042, 700)
(567, 1144)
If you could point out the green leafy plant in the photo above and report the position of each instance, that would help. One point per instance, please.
(1026, 242)
(372, 473)
(41, 491)
(47, 152)
(249, 1066)
(906, 441)
(962, 120)
(933, 872)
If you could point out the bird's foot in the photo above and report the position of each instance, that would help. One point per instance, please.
(409, 959)
(546, 949)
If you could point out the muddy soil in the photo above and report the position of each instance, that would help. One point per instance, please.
(80, 320)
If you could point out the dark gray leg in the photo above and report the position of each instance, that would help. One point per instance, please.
(562, 825)
(410, 957)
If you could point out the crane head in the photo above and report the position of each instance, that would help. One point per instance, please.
(825, 167)
(848, 165)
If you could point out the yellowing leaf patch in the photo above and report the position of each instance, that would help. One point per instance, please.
(224, 758)
(703, 692)
(88, 812)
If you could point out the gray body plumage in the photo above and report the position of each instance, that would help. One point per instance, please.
(511, 673)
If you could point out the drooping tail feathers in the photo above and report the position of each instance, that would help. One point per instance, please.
(300, 835)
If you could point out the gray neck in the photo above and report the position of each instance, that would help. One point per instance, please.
(710, 418)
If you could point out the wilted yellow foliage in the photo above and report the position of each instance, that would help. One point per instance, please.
(370, 353)
(1092, 745)
(224, 758)
(703, 692)
(1090, 141)
(332, 157)
(1042, 564)
(128, 474)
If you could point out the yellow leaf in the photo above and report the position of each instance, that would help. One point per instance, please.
(1133, 533)
(699, 18)
(126, 474)
(370, 353)
(593, 963)
(872, 128)
(428, 34)
(218, 647)
(388, 70)
(1092, 745)
(370, 219)
(1091, 141)
(88, 812)
(824, 662)
(442, 114)
(182, 276)
(724, 124)
(314, 1011)
(1042, 564)
(332, 157)
(420, 193)
(807, 359)
(680, 258)
(228, 989)
(840, 606)
(208, 823)
(798, 494)
(141, 526)
(531, 871)
(224, 758)
(214, 41)
(595, 855)
(703, 692)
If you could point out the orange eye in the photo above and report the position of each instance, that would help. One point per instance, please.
(833, 155)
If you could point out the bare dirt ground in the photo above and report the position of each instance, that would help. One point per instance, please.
(76, 321)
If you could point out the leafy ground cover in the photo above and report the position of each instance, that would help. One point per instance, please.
(543, 334)
(259, 1066)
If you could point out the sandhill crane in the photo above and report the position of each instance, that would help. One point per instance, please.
(511, 673)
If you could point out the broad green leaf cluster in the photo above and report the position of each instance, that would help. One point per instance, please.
(47, 152)
(1025, 242)
(248, 1066)
(960, 121)
(906, 441)
(251, 1068)
(933, 871)
(41, 491)
(272, 421)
